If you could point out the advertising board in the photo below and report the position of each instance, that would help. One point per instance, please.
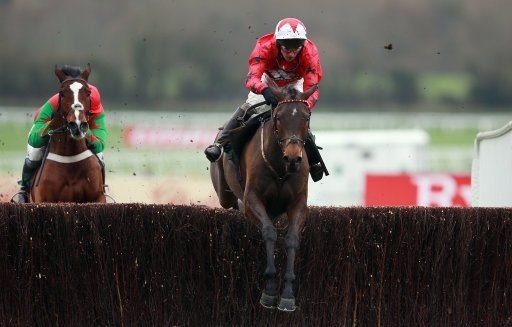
(418, 189)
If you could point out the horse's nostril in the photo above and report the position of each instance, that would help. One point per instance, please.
(73, 126)
(84, 127)
(286, 159)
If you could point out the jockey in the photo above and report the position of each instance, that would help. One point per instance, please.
(288, 57)
(38, 136)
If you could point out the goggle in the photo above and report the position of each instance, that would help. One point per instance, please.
(291, 50)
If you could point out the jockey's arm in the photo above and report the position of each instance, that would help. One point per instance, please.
(97, 134)
(313, 98)
(313, 76)
(38, 135)
(253, 81)
(257, 64)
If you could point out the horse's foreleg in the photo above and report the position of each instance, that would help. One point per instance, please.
(292, 243)
(269, 296)
(287, 301)
(255, 211)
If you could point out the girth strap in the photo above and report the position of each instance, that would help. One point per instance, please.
(69, 159)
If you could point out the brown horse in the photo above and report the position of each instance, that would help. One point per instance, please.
(272, 180)
(70, 172)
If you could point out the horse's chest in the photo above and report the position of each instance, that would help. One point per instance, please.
(279, 191)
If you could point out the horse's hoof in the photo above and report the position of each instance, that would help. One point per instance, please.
(268, 301)
(287, 305)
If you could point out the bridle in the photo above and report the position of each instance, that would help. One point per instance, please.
(280, 141)
(62, 129)
(65, 125)
(294, 138)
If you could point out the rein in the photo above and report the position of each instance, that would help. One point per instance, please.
(279, 178)
(62, 129)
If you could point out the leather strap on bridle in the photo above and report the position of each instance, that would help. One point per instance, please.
(63, 128)
(279, 141)
(294, 100)
(294, 137)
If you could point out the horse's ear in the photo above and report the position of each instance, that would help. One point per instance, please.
(271, 83)
(86, 72)
(308, 93)
(60, 74)
(276, 90)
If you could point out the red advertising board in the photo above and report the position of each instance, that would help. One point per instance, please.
(419, 189)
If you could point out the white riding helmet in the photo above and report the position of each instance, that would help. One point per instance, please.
(290, 28)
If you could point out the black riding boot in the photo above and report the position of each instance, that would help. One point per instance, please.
(214, 152)
(29, 168)
(316, 164)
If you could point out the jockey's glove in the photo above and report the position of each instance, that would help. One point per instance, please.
(269, 97)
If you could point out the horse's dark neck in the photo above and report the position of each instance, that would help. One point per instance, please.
(273, 151)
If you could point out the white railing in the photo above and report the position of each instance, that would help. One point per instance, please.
(319, 121)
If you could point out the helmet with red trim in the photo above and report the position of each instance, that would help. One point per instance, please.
(290, 32)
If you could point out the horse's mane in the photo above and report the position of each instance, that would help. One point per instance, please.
(292, 92)
(71, 71)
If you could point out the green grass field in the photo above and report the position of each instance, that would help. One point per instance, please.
(13, 137)
(120, 158)
(463, 138)
(125, 159)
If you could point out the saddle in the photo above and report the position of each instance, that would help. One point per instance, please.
(239, 136)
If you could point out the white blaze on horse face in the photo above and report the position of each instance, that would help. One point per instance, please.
(294, 112)
(77, 105)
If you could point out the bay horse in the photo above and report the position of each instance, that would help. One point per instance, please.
(272, 180)
(70, 172)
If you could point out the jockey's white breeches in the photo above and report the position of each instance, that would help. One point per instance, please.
(35, 154)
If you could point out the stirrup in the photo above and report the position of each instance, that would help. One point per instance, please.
(218, 146)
